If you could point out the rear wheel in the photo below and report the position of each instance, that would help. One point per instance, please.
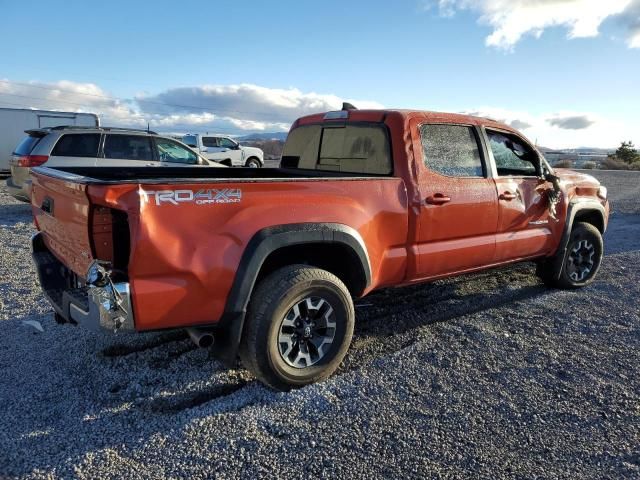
(299, 327)
(581, 261)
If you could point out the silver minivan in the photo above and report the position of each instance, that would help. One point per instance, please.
(95, 146)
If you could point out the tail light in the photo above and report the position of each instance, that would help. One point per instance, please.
(109, 230)
(31, 160)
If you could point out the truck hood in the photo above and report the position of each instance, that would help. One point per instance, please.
(252, 151)
(577, 179)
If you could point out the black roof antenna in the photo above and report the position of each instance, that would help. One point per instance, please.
(148, 128)
(348, 106)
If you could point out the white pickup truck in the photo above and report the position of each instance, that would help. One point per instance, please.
(224, 150)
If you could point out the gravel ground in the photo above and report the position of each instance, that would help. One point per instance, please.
(488, 375)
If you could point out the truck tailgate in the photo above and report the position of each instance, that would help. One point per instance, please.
(61, 211)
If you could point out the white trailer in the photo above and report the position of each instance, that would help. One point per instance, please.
(14, 121)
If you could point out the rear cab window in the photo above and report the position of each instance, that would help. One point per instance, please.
(350, 148)
(192, 141)
(77, 145)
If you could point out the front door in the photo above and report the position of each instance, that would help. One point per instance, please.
(458, 208)
(525, 228)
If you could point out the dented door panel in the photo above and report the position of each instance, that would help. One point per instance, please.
(526, 227)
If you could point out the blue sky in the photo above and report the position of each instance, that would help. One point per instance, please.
(245, 66)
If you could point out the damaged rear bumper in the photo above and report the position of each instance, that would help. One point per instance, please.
(105, 307)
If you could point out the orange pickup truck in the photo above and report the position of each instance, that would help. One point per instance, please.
(265, 263)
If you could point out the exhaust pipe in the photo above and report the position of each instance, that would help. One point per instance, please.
(202, 338)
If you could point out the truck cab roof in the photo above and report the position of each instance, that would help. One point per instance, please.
(380, 115)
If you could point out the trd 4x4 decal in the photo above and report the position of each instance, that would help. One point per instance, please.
(199, 197)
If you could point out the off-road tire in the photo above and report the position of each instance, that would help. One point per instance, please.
(274, 299)
(558, 274)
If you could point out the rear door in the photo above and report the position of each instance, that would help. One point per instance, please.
(128, 150)
(525, 227)
(457, 210)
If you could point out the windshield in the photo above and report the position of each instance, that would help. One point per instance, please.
(190, 140)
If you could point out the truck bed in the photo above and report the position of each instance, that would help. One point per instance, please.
(180, 253)
(169, 175)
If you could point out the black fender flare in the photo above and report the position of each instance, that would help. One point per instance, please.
(261, 245)
(580, 206)
(574, 207)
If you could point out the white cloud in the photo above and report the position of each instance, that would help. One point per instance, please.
(563, 129)
(571, 121)
(220, 108)
(512, 19)
(247, 106)
(67, 96)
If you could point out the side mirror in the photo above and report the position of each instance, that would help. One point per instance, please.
(204, 149)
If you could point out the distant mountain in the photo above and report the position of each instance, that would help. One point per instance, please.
(580, 150)
(253, 137)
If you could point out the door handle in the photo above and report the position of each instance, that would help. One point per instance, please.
(508, 196)
(438, 199)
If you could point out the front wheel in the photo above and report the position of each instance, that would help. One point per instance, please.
(253, 163)
(581, 261)
(299, 327)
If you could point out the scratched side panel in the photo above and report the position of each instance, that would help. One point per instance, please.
(185, 255)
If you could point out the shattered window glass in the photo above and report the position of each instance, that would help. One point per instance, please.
(451, 150)
(512, 157)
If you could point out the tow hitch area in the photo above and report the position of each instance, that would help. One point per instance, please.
(112, 300)
(96, 303)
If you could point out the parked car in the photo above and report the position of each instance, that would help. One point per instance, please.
(225, 150)
(94, 146)
(268, 261)
(14, 122)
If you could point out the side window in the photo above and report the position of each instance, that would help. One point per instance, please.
(77, 145)
(128, 147)
(227, 143)
(170, 151)
(512, 156)
(210, 141)
(451, 150)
